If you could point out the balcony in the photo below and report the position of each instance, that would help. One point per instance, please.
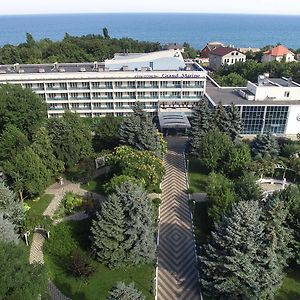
(58, 108)
(55, 88)
(57, 99)
(147, 86)
(79, 88)
(101, 87)
(80, 98)
(173, 86)
(170, 97)
(102, 98)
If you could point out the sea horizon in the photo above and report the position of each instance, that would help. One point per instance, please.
(240, 30)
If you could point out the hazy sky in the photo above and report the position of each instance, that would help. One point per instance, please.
(218, 6)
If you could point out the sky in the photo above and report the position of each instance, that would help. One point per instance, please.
(12, 7)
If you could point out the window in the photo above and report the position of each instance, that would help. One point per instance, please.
(73, 84)
(119, 84)
(286, 94)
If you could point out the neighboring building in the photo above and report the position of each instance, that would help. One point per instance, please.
(173, 46)
(271, 105)
(249, 49)
(161, 81)
(278, 53)
(204, 53)
(225, 56)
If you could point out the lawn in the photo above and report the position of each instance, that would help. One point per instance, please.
(290, 288)
(96, 185)
(38, 205)
(197, 176)
(68, 236)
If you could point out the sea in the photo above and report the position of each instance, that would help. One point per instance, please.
(195, 29)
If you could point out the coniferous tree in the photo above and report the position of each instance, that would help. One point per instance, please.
(11, 208)
(139, 132)
(201, 122)
(123, 232)
(235, 122)
(231, 266)
(125, 292)
(108, 233)
(7, 231)
(265, 145)
(221, 118)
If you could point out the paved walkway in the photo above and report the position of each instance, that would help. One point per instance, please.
(177, 276)
(36, 249)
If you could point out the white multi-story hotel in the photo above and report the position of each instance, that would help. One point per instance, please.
(161, 81)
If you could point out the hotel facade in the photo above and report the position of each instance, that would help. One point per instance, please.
(163, 83)
(160, 81)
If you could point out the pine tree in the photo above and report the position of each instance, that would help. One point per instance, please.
(7, 231)
(265, 145)
(235, 122)
(125, 292)
(11, 208)
(231, 266)
(139, 235)
(276, 248)
(201, 122)
(221, 118)
(108, 233)
(139, 132)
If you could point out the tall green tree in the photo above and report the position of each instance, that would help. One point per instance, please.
(134, 242)
(231, 264)
(71, 138)
(139, 132)
(7, 231)
(12, 140)
(201, 122)
(221, 118)
(107, 133)
(125, 292)
(21, 108)
(213, 147)
(19, 279)
(221, 195)
(108, 233)
(105, 33)
(235, 122)
(42, 146)
(265, 145)
(28, 173)
(10, 207)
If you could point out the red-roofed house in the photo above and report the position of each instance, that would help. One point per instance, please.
(278, 53)
(225, 56)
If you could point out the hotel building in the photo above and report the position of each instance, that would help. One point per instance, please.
(161, 81)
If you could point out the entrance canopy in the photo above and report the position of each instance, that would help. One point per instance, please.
(173, 120)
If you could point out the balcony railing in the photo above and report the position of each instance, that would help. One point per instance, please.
(57, 98)
(53, 88)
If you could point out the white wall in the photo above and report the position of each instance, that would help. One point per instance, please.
(293, 124)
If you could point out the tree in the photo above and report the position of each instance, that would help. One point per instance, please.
(235, 122)
(220, 193)
(139, 132)
(231, 265)
(122, 233)
(106, 133)
(111, 186)
(213, 147)
(238, 160)
(12, 140)
(201, 122)
(28, 173)
(232, 79)
(108, 233)
(86, 169)
(221, 118)
(246, 188)
(105, 33)
(11, 209)
(21, 108)
(7, 231)
(71, 138)
(42, 146)
(265, 145)
(125, 292)
(19, 279)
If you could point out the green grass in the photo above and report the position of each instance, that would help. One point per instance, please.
(68, 236)
(96, 185)
(290, 288)
(197, 176)
(38, 205)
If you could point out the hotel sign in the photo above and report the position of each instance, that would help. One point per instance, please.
(168, 75)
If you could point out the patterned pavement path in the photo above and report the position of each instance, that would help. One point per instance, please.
(177, 274)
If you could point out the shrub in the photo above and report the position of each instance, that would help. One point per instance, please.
(72, 202)
(80, 265)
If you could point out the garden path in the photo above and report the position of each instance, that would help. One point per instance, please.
(177, 274)
(36, 249)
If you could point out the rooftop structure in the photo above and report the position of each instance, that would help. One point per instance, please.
(204, 53)
(278, 53)
(173, 120)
